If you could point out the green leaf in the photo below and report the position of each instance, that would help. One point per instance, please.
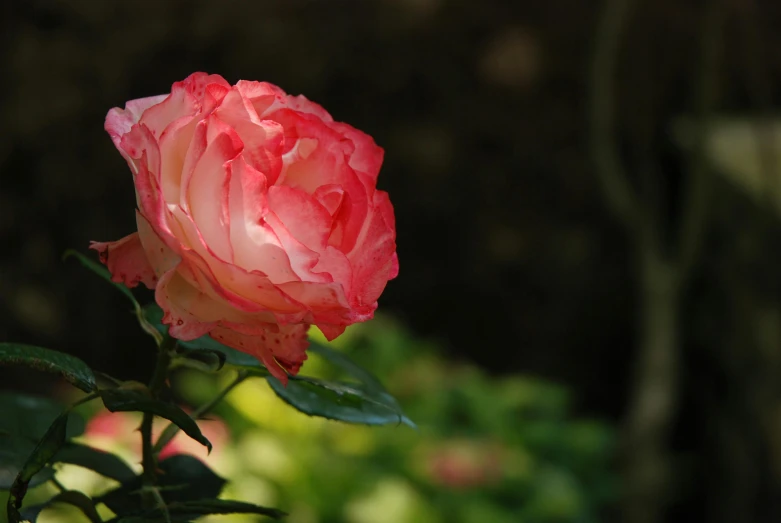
(16, 421)
(222, 506)
(44, 451)
(348, 402)
(199, 359)
(11, 462)
(183, 478)
(368, 380)
(104, 463)
(71, 497)
(126, 400)
(341, 361)
(190, 510)
(154, 315)
(70, 367)
(20, 431)
(188, 478)
(100, 270)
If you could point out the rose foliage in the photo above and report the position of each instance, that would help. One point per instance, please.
(258, 216)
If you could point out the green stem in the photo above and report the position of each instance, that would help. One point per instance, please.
(59, 485)
(155, 386)
(171, 430)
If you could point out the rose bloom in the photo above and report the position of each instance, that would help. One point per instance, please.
(258, 216)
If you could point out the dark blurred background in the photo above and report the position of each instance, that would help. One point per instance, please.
(585, 191)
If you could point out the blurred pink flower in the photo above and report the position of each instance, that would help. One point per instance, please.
(112, 429)
(464, 464)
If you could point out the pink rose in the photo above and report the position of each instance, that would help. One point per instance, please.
(258, 216)
(465, 464)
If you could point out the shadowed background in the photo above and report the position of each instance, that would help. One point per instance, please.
(508, 253)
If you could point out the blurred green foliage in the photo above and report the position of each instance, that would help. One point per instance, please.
(486, 449)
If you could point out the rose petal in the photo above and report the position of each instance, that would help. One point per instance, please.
(299, 125)
(303, 104)
(279, 351)
(127, 261)
(207, 190)
(119, 121)
(335, 264)
(320, 158)
(302, 259)
(189, 312)
(200, 85)
(394, 270)
(153, 208)
(175, 143)
(264, 97)
(243, 290)
(372, 256)
(262, 138)
(141, 145)
(302, 216)
(161, 257)
(187, 98)
(325, 301)
(178, 104)
(331, 196)
(255, 245)
(193, 307)
(331, 332)
(367, 156)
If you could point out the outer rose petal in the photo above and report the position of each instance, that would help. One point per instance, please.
(186, 309)
(186, 98)
(127, 261)
(193, 306)
(161, 258)
(279, 352)
(303, 104)
(263, 96)
(394, 270)
(193, 310)
(326, 301)
(331, 332)
(119, 121)
(268, 306)
(368, 156)
(372, 258)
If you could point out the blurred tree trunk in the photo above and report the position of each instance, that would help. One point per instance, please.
(654, 397)
(663, 269)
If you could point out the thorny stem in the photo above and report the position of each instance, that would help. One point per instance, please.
(156, 384)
